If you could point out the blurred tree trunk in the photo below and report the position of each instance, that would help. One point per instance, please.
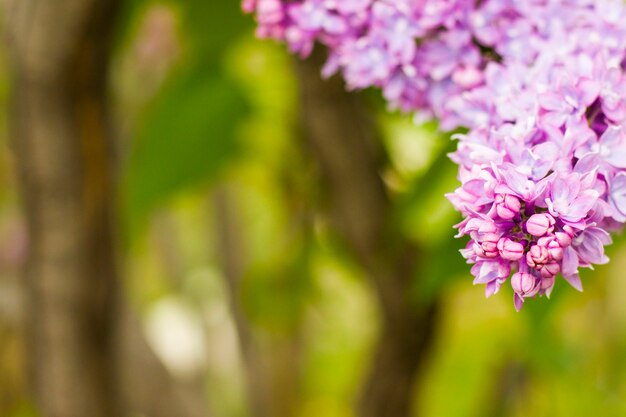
(344, 140)
(62, 144)
(87, 354)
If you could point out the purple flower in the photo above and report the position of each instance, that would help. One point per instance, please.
(518, 184)
(491, 273)
(366, 62)
(569, 268)
(568, 201)
(568, 102)
(607, 154)
(589, 246)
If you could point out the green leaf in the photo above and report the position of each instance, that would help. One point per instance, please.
(213, 25)
(210, 26)
(189, 133)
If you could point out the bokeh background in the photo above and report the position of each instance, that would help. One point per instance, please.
(277, 247)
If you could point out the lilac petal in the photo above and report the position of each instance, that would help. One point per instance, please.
(615, 111)
(587, 163)
(550, 206)
(334, 25)
(613, 146)
(468, 253)
(546, 150)
(542, 185)
(544, 156)
(577, 135)
(573, 184)
(592, 252)
(582, 205)
(588, 180)
(518, 302)
(518, 183)
(574, 281)
(569, 265)
(565, 188)
(554, 119)
(475, 187)
(491, 288)
(591, 246)
(617, 157)
(589, 90)
(484, 154)
(552, 101)
(487, 272)
(602, 235)
(618, 193)
(549, 291)
(331, 66)
(612, 137)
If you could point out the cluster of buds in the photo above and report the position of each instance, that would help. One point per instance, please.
(521, 238)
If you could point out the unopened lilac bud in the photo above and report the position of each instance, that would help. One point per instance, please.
(563, 238)
(537, 256)
(569, 230)
(525, 284)
(507, 206)
(554, 248)
(547, 283)
(550, 269)
(510, 250)
(540, 224)
(556, 253)
(489, 245)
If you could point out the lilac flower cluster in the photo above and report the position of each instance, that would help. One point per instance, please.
(544, 181)
(419, 53)
(541, 84)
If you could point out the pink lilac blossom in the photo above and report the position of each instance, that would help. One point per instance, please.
(541, 86)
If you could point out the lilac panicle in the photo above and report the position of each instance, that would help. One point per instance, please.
(540, 85)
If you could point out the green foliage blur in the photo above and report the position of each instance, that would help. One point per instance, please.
(208, 117)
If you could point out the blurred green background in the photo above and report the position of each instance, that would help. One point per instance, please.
(216, 179)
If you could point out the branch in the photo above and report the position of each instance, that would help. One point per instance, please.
(344, 139)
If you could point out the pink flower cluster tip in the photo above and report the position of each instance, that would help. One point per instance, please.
(541, 86)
